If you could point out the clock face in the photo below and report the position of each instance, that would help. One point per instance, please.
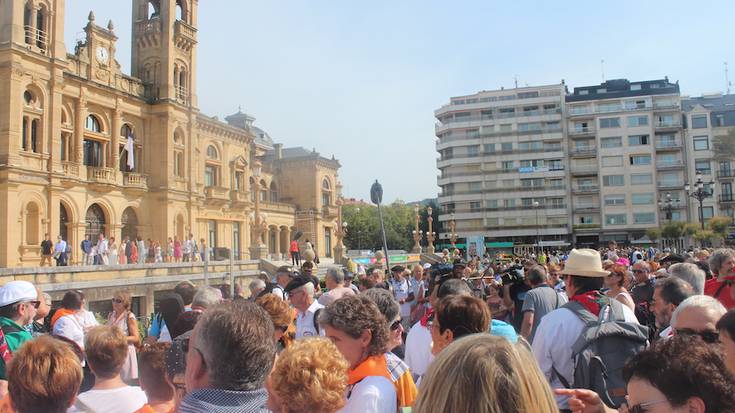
(102, 54)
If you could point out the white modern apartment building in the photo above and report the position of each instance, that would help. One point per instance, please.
(541, 166)
(503, 167)
(626, 154)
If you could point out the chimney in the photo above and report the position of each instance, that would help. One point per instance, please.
(278, 147)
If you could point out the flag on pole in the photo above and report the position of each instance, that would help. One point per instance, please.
(130, 149)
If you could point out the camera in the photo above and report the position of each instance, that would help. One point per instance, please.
(512, 275)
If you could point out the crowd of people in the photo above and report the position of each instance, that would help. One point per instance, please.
(104, 251)
(582, 331)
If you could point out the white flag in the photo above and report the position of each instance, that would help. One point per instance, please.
(130, 149)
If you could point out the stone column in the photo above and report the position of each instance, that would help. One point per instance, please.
(277, 252)
(115, 139)
(79, 116)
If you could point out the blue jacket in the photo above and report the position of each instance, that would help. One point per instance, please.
(86, 246)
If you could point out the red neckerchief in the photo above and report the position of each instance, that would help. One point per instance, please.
(591, 300)
(426, 317)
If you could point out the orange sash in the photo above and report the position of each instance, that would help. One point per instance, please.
(60, 313)
(372, 366)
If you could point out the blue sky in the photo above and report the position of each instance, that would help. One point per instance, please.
(360, 80)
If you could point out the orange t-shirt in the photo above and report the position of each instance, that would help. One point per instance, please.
(146, 409)
(5, 405)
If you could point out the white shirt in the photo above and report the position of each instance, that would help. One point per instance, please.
(188, 246)
(72, 327)
(373, 394)
(121, 400)
(401, 290)
(102, 247)
(418, 349)
(305, 321)
(552, 345)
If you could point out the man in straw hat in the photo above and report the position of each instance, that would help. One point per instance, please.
(560, 329)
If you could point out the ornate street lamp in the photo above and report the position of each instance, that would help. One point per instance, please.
(668, 204)
(376, 195)
(257, 220)
(430, 235)
(700, 193)
(417, 234)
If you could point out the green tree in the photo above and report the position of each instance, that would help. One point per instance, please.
(705, 236)
(720, 226)
(363, 226)
(673, 230)
(653, 234)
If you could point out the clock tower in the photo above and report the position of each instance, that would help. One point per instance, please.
(164, 49)
(100, 52)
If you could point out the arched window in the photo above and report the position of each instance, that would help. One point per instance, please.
(33, 224)
(129, 223)
(274, 192)
(212, 153)
(95, 222)
(27, 23)
(211, 169)
(178, 154)
(41, 19)
(29, 98)
(153, 9)
(181, 11)
(326, 192)
(93, 124)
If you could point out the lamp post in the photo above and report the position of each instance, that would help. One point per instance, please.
(430, 235)
(452, 232)
(376, 195)
(257, 223)
(538, 236)
(417, 234)
(700, 193)
(668, 204)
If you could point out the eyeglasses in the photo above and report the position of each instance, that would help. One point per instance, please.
(643, 407)
(117, 301)
(35, 304)
(395, 325)
(707, 336)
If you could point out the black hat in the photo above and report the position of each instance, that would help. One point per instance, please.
(348, 274)
(673, 258)
(459, 264)
(398, 268)
(297, 282)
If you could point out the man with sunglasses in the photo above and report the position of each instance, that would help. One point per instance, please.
(18, 306)
(698, 315)
(642, 293)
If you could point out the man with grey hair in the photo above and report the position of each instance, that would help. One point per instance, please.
(256, 287)
(539, 301)
(690, 273)
(206, 297)
(698, 315)
(301, 294)
(334, 279)
(231, 353)
(642, 293)
(722, 264)
(668, 294)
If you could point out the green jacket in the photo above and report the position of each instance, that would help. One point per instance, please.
(14, 339)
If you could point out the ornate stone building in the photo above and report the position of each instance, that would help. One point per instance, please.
(86, 149)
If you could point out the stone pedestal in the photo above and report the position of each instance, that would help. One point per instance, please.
(339, 251)
(430, 249)
(258, 252)
(416, 249)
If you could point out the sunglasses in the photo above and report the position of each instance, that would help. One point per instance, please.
(35, 304)
(395, 325)
(643, 407)
(117, 301)
(706, 336)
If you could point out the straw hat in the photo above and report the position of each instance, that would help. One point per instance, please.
(584, 262)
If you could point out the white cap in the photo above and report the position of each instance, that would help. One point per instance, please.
(17, 291)
(427, 266)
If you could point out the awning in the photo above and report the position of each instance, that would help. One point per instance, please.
(499, 244)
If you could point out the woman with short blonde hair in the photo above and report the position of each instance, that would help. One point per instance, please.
(309, 376)
(45, 376)
(282, 316)
(482, 373)
(124, 319)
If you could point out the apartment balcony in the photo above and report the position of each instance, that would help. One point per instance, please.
(725, 173)
(668, 146)
(586, 227)
(185, 35)
(330, 211)
(240, 198)
(216, 195)
(277, 207)
(581, 170)
(580, 113)
(71, 169)
(100, 175)
(670, 165)
(668, 106)
(586, 208)
(583, 151)
(581, 132)
(586, 189)
(664, 185)
(667, 126)
(132, 180)
(727, 198)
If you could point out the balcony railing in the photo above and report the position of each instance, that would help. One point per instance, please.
(37, 38)
(581, 131)
(136, 180)
(330, 211)
(216, 194)
(667, 125)
(182, 94)
(669, 164)
(727, 198)
(70, 168)
(668, 145)
(669, 184)
(101, 175)
(726, 173)
(586, 188)
(239, 196)
(584, 169)
(185, 35)
(584, 150)
(151, 26)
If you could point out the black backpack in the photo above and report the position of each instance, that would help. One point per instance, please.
(605, 345)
